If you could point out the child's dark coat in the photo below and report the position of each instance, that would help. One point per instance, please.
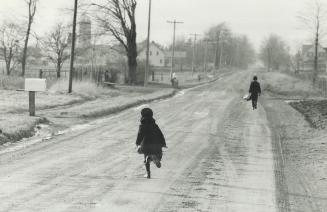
(150, 137)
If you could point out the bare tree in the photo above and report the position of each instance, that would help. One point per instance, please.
(314, 19)
(118, 18)
(274, 53)
(55, 44)
(9, 45)
(31, 4)
(217, 34)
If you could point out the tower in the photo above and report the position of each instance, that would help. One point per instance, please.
(85, 31)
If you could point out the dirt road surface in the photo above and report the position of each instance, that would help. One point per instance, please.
(220, 158)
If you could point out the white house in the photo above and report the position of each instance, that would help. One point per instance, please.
(156, 55)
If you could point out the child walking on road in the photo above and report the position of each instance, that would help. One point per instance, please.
(150, 140)
(255, 91)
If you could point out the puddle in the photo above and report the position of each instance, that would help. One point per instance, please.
(42, 133)
(179, 94)
(293, 100)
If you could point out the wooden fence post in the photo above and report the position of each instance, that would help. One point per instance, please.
(40, 74)
(31, 103)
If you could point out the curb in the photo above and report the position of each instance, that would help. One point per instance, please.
(121, 108)
(199, 84)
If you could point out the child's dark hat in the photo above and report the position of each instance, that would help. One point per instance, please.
(146, 112)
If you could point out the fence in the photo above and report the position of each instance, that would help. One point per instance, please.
(321, 83)
(97, 74)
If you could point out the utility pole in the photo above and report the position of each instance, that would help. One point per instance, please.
(173, 53)
(205, 55)
(194, 50)
(72, 54)
(147, 65)
(217, 50)
(207, 41)
(221, 53)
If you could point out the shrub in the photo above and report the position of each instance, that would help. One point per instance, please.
(11, 82)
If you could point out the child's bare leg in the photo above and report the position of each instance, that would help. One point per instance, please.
(147, 166)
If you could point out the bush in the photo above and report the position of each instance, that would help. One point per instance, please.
(11, 82)
(87, 89)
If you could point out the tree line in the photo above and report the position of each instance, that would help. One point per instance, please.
(218, 46)
(116, 18)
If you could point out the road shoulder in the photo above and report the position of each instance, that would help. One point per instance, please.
(301, 156)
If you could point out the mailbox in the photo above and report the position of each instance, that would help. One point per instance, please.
(32, 85)
(35, 84)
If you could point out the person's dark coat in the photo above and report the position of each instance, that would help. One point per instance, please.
(150, 137)
(255, 88)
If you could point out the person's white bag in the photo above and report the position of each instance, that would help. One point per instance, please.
(247, 97)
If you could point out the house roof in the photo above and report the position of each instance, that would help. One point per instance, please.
(143, 46)
(307, 47)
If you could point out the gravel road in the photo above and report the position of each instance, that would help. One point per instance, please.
(220, 158)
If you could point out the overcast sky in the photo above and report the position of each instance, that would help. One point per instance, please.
(255, 18)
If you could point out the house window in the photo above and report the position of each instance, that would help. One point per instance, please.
(160, 61)
(157, 53)
(150, 53)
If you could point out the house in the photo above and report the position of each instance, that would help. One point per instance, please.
(156, 54)
(307, 59)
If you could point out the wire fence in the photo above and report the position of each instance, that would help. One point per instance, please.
(97, 74)
(320, 84)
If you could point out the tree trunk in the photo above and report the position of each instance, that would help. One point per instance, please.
(58, 68)
(25, 47)
(132, 65)
(8, 67)
(8, 61)
(132, 55)
(315, 68)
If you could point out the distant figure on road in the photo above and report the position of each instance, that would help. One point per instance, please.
(255, 91)
(150, 140)
(174, 80)
(199, 77)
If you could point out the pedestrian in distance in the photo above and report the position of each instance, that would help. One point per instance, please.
(255, 92)
(174, 80)
(150, 140)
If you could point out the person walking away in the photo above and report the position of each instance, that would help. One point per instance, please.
(150, 140)
(174, 81)
(255, 91)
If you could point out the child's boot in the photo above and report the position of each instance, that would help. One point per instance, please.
(148, 173)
